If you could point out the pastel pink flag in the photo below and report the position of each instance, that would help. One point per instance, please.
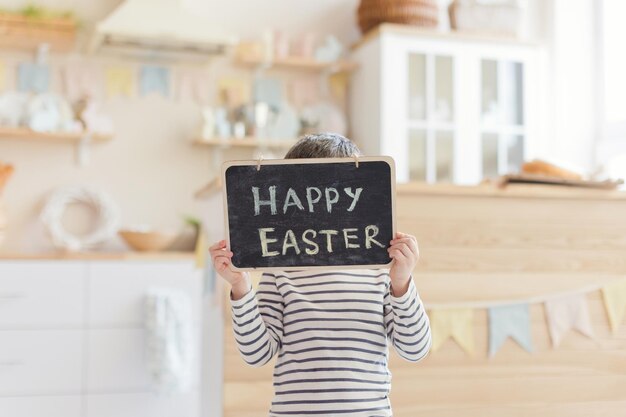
(82, 79)
(565, 313)
(193, 85)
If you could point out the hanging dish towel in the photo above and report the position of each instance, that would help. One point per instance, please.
(169, 339)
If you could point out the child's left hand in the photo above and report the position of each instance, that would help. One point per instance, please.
(405, 254)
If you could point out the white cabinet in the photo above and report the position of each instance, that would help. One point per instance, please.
(143, 405)
(72, 338)
(446, 107)
(45, 406)
(116, 290)
(41, 294)
(40, 362)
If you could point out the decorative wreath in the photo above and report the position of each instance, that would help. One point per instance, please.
(105, 207)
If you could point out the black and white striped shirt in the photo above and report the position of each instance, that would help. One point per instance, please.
(331, 332)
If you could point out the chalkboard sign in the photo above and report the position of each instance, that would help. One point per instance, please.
(315, 213)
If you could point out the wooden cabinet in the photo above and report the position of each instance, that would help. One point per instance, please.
(446, 107)
(73, 343)
(484, 244)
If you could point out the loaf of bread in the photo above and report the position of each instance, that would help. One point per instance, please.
(538, 167)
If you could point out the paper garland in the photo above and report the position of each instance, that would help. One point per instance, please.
(154, 79)
(33, 78)
(567, 313)
(615, 303)
(3, 76)
(511, 318)
(509, 321)
(454, 323)
(82, 79)
(119, 82)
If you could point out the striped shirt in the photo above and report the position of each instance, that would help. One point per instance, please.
(331, 332)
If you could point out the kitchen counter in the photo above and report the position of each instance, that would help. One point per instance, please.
(481, 245)
(103, 256)
(510, 191)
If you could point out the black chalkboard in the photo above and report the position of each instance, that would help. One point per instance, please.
(288, 214)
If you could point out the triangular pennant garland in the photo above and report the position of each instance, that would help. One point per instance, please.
(566, 313)
(509, 321)
(454, 323)
(154, 79)
(3, 76)
(80, 79)
(119, 82)
(614, 296)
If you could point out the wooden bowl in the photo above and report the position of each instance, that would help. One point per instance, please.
(147, 240)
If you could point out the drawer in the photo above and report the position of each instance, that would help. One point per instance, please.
(42, 294)
(40, 362)
(143, 405)
(69, 406)
(117, 361)
(117, 290)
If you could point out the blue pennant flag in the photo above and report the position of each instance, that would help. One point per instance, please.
(154, 80)
(509, 320)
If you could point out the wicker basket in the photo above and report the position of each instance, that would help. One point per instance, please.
(503, 20)
(372, 13)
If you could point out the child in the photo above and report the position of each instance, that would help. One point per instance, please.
(330, 329)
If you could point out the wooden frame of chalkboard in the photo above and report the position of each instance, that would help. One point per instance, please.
(385, 180)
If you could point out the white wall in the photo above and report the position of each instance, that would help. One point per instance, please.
(150, 168)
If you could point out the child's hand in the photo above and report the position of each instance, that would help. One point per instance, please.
(405, 254)
(240, 281)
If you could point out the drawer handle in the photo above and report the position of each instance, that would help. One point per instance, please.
(11, 296)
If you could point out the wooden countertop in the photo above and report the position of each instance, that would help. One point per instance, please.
(99, 256)
(511, 191)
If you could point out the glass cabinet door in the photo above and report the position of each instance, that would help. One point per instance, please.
(502, 117)
(431, 134)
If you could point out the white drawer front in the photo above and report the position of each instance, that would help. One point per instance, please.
(143, 405)
(41, 294)
(40, 362)
(117, 361)
(117, 290)
(66, 406)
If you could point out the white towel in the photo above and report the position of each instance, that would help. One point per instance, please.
(168, 322)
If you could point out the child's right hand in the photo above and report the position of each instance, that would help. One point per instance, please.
(240, 281)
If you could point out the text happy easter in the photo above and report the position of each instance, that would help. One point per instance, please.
(310, 241)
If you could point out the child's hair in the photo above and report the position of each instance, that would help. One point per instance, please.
(323, 145)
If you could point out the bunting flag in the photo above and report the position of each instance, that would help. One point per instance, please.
(33, 78)
(565, 313)
(202, 248)
(614, 295)
(3, 76)
(80, 79)
(509, 320)
(119, 82)
(304, 92)
(454, 323)
(234, 91)
(268, 90)
(154, 79)
(339, 85)
(192, 85)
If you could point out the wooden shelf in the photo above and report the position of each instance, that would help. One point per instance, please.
(21, 133)
(25, 33)
(248, 142)
(297, 63)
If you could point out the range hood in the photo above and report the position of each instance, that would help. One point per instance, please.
(160, 29)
